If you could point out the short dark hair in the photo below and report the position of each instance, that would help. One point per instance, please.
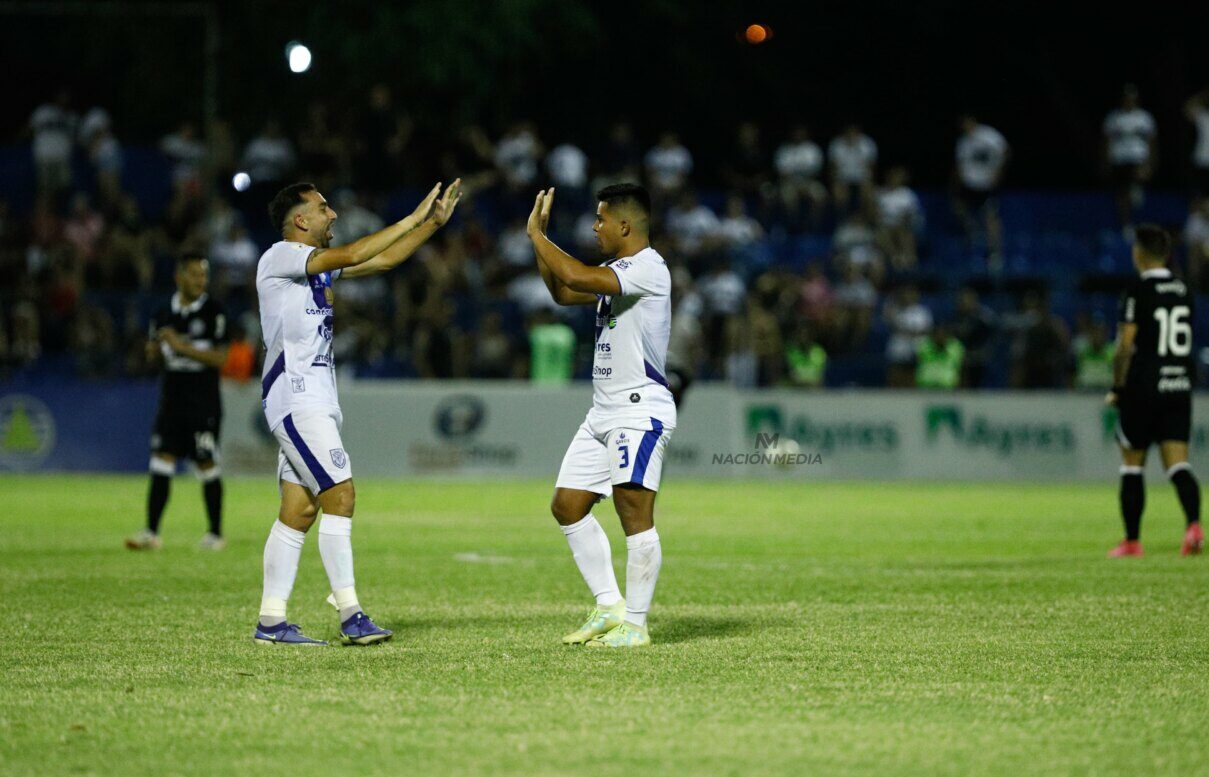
(626, 193)
(188, 257)
(284, 202)
(1154, 241)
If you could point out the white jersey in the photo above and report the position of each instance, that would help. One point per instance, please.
(980, 156)
(296, 321)
(1129, 134)
(632, 330)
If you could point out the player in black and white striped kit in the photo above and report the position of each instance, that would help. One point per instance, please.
(1153, 373)
(189, 338)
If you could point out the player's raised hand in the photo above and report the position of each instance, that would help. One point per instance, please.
(539, 219)
(424, 210)
(445, 206)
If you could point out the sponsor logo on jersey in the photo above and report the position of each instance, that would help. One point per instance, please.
(602, 372)
(197, 327)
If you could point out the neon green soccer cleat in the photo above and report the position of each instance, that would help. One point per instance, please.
(624, 636)
(600, 621)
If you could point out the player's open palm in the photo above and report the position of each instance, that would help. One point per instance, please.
(426, 207)
(443, 211)
(539, 219)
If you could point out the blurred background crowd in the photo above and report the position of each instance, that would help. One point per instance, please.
(804, 254)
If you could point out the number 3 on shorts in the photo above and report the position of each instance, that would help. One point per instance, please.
(624, 450)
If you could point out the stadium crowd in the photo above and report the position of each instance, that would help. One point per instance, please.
(85, 266)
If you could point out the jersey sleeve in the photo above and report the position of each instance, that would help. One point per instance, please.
(286, 260)
(641, 277)
(1127, 310)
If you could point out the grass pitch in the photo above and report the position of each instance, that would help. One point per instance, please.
(833, 628)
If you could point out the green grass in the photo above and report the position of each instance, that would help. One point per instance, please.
(832, 628)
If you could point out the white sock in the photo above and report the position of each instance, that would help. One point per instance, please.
(336, 550)
(281, 554)
(641, 574)
(590, 549)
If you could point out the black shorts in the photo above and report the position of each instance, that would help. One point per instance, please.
(187, 434)
(1145, 420)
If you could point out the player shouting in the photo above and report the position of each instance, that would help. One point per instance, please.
(294, 282)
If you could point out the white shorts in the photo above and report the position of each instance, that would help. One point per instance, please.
(312, 454)
(599, 459)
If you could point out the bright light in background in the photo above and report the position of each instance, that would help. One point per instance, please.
(298, 56)
(241, 181)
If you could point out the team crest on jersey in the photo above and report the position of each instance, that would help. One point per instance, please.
(328, 296)
(338, 457)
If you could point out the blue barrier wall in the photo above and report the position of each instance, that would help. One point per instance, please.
(75, 425)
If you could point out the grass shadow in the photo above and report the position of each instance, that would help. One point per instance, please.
(672, 629)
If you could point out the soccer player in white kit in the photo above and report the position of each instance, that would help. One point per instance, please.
(619, 448)
(294, 283)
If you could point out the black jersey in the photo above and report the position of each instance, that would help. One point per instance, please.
(188, 384)
(1161, 306)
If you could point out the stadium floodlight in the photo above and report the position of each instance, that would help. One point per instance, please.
(241, 181)
(298, 56)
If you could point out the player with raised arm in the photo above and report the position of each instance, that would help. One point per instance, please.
(619, 448)
(294, 283)
(1153, 372)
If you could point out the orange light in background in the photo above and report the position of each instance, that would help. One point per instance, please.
(756, 33)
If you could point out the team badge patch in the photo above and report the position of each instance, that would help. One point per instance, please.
(338, 457)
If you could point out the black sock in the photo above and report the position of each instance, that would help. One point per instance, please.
(1133, 499)
(212, 491)
(157, 499)
(1189, 492)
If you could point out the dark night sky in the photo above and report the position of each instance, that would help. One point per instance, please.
(904, 70)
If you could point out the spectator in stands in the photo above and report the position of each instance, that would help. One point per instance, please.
(817, 301)
(1092, 352)
(83, 227)
(187, 154)
(494, 353)
(740, 362)
(1196, 238)
(856, 243)
(747, 171)
(668, 166)
(737, 229)
(693, 227)
(269, 158)
(516, 249)
(517, 155)
(241, 354)
(761, 321)
(234, 260)
(805, 359)
(621, 157)
(799, 165)
(551, 350)
(384, 133)
(909, 321)
(323, 154)
(938, 359)
(974, 325)
(93, 343)
(1197, 111)
(439, 345)
(855, 301)
(853, 157)
(900, 219)
(1041, 351)
(1129, 133)
(53, 125)
(25, 342)
(356, 219)
(724, 295)
(686, 345)
(981, 158)
(567, 166)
